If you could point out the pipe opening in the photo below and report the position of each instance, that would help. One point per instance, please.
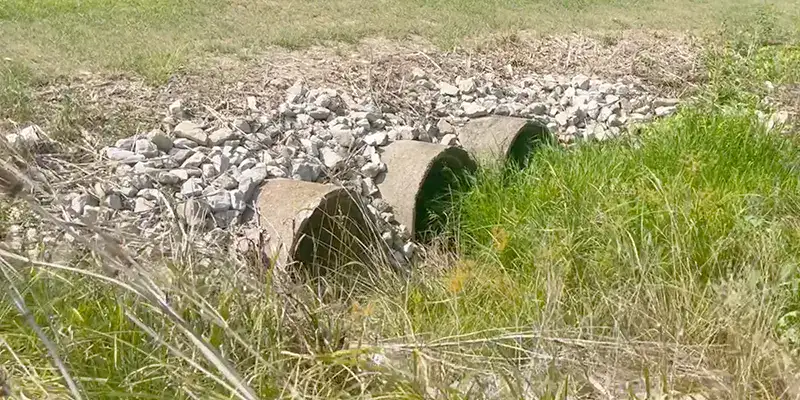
(450, 172)
(531, 137)
(335, 239)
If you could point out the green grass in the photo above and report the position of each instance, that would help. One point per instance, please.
(155, 38)
(679, 249)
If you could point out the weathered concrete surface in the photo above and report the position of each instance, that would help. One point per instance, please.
(414, 177)
(318, 226)
(498, 138)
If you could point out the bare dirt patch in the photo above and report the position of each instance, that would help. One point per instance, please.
(113, 106)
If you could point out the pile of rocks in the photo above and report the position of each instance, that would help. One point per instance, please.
(209, 166)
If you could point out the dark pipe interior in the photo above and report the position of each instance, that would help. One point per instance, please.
(448, 175)
(530, 138)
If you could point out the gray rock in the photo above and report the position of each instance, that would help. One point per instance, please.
(238, 199)
(125, 144)
(160, 139)
(180, 155)
(226, 219)
(221, 162)
(209, 171)
(128, 191)
(447, 89)
(194, 161)
(605, 112)
(417, 73)
(124, 156)
(150, 194)
(562, 119)
(445, 128)
(614, 121)
(247, 163)
(142, 205)
(306, 171)
(372, 169)
(474, 110)
(320, 113)
(226, 182)
(539, 108)
(221, 135)
(218, 200)
(330, 158)
(258, 173)
(449, 140)
(466, 86)
(182, 174)
(581, 82)
(665, 111)
(242, 125)
(141, 181)
(377, 139)
(183, 143)
(343, 136)
(277, 171)
(146, 148)
(295, 93)
(80, 201)
(611, 98)
(192, 187)
(168, 178)
(665, 103)
(113, 201)
(176, 110)
(190, 130)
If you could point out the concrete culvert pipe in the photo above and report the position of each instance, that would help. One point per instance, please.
(419, 182)
(498, 139)
(314, 228)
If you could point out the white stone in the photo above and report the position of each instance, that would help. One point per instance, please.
(183, 143)
(221, 162)
(449, 140)
(447, 89)
(665, 111)
(142, 205)
(296, 92)
(330, 158)
(192, 187)
(466, 86)
(343, 136)
(209, 171)
(124, 156)
(176, 110)
(372, 169)
(80, 201)
(160, 139)
(581, 82)
(182, 174)
(665, 103)
(146, 148)
(194, 161)
(377, 139)
(474, 110)
(113, 201)
(221, 135)
(218, 200)
(190, 130)
(305, 171)
(168, 178)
